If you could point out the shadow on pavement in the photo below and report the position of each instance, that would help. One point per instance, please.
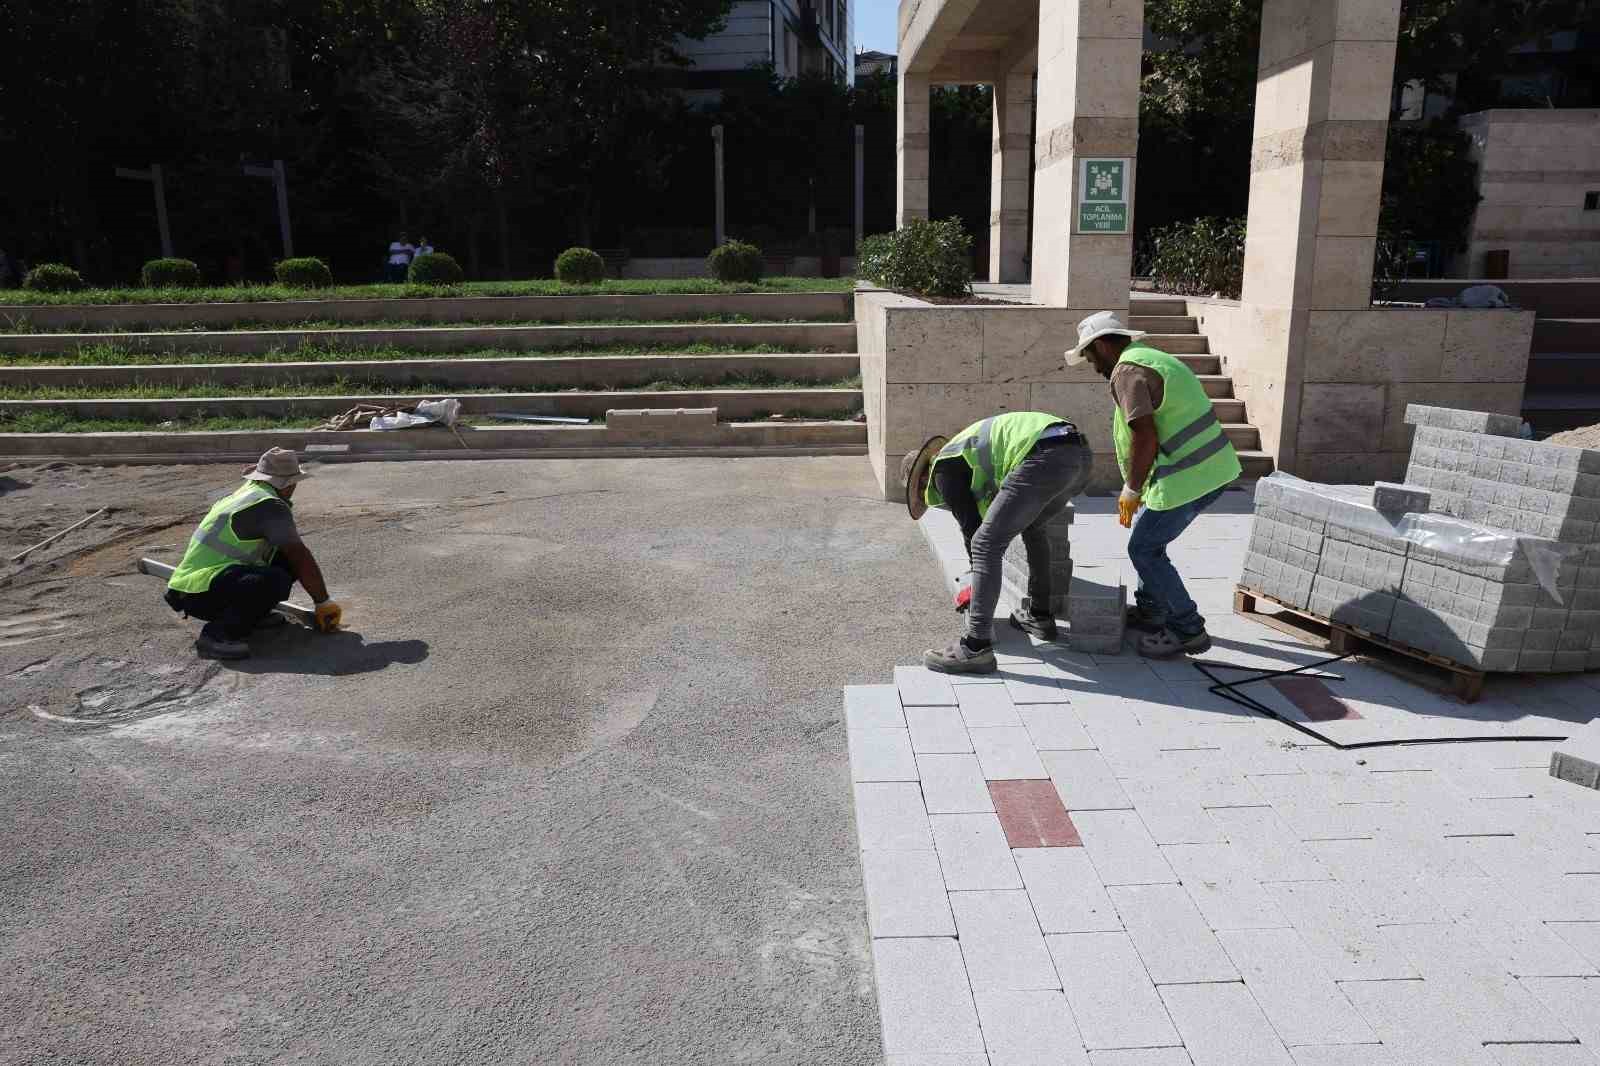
(294, 650)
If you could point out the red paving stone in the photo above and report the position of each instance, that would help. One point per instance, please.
(1314, 699)
(1032, 815)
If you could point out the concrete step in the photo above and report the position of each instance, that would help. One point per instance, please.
(482, 442)
(1202, 364)
(1179, 343)
(730, 404)
(1229, 411)
(775, 306)
(1562, 370)
(1256, 464)
(804, 336)
(1566, 335)
(1216, 385)
(1550, 410)
(1242, 436)
(1163, 324)
(1142, 304)
(517, 374)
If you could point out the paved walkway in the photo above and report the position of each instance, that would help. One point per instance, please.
(1092, 859)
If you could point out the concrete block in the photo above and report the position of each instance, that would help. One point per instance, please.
(1303, 1005)
(1085, 781)
(923, 997)
(1341, 936)
(1221, 1025)
(939, 730)
(1029, 1026)
(872, 707)
(1111, 996)
(890, 817)
(1392, 499)
(1066, 891)
(1577, 759)
(987, 707)
(1053, 727)
(1172, 938)
(905, 894)
(973, 853)
(881, 755)
(1462, 421)
(668, 424)
(1121, 848)
(1006, 753)
(921, 687)
(1001, 942)
(953, 784)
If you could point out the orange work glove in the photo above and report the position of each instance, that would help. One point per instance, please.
(1127, 504)
(329, 615)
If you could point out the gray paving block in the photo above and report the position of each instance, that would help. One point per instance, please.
(1172, 938)
(1121, 849)
(890, 817)
(881, 755)
(1066, 891)
(1030, 1026)
(905, 894)
(1053, 727)
(1303, 1004)
(1221, 1025)
(1111, 996)
(953, 784)
(1144, 1056)
(1085, 781)
(1007, 753)
(872, 707)
(921, 687)
(1001, 942)
(986, 706)
(924, 1000)
(938, 730)
(1392, 499)
(1341, 936)
(1577, 759)
(973, 853)
(1462, 421)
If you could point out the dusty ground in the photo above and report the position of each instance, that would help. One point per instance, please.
(1582, 437)
(571, 789)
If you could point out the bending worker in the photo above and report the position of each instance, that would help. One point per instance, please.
(1001, 477)
(1175, 460)
(245, 557)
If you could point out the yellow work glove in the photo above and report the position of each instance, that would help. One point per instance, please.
(1128, 503)
(329, 615)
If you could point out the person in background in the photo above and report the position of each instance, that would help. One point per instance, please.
(424, 247)
(400, 252)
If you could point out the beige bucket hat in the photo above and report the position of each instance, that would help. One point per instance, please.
(915, 469)
(1097, 325)
(278, 467)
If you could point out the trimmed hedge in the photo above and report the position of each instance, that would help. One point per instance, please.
(580, 266)
(924, 258)
(53, 277)
(736, 261)
(1200, 258)
(435, 268)
(304, 273)
(170, 274)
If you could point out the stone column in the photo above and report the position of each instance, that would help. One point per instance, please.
(1089, 54)
(1012, 169)
(911, 148)
(1316, 172)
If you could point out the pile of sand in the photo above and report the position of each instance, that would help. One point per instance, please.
(1582, 437)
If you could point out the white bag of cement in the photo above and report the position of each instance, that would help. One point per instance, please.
(445, 412)
(400, 420)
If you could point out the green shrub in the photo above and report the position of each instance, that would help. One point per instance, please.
(53, 277)
(924, 258)
(435, 268)
(304, 273)
(1200, 258)
(580, 266)
(736, 261)
(170, 274)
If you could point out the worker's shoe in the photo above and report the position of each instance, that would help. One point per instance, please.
(960, 659)
(213, 643)
(1169, 645)
(1042, 626)
(271, 620)
(1144, 623)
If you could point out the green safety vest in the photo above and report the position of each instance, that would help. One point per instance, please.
(1195, 454)
(993, 448)
(214, 547)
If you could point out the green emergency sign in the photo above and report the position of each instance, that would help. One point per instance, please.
(1103, 196)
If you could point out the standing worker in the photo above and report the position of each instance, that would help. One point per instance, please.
(1175, 459)
(1001, 477)
(245, 557)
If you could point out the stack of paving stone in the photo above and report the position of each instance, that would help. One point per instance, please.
(1095, 613)
(1488, 555)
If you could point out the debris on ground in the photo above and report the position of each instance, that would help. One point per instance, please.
(1582, 437)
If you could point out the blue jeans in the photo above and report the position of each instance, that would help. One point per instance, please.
(1161, 596)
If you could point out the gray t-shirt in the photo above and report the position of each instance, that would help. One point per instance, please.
(269, 520)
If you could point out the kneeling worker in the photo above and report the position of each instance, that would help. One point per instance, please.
(1001, 477)
(245, 557)
(1176, 459)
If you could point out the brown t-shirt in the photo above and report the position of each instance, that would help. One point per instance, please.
(1137, 389)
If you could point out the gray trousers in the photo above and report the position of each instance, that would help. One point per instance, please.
(1041, 485)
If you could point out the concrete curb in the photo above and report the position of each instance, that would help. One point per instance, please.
(529, 372)
(732, 403)
(646, 307)
(805, 336)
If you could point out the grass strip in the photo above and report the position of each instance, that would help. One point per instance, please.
(59, 422)
(116, 355)
(346, 386)
(19, 324)
(534, 287)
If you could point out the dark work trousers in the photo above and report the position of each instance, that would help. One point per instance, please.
(1044, 482)
(239, 597)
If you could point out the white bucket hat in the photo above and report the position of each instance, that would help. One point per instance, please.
(279, 467)
(1098, 325)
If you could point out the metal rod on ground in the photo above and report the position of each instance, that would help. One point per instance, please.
(293, 610)
(556, 419)
(52, 539)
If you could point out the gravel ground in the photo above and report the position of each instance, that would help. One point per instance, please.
(572, 787)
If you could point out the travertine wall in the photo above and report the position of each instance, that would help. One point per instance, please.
(928, 368)
(1359, 370)
(1534, 168)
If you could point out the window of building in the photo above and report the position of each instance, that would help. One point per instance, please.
(1591, 201)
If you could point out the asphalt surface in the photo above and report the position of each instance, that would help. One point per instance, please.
(571, 789)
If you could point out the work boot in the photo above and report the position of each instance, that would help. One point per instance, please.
(1144, 623)
(271, 620)
(1042, 626)
(1169, 645)
(213, 643)
(960, 659)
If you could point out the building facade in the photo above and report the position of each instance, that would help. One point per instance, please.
(797, 37)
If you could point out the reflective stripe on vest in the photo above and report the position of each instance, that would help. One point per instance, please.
(1194, 454)
(1189, 432)
(992, 448)
(214, 548)
(1193, 459)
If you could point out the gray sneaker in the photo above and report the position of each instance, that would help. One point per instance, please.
(957, 659)
(1169, 645)
(216, 646)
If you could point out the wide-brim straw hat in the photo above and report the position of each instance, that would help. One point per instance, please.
(915, 469)
(1097, 325)
(279, 467)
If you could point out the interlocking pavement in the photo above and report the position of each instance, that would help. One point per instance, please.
(1091, 859)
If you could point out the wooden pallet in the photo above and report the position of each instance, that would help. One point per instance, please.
(1464, 682)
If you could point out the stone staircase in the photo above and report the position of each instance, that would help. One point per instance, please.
(1174, 331)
